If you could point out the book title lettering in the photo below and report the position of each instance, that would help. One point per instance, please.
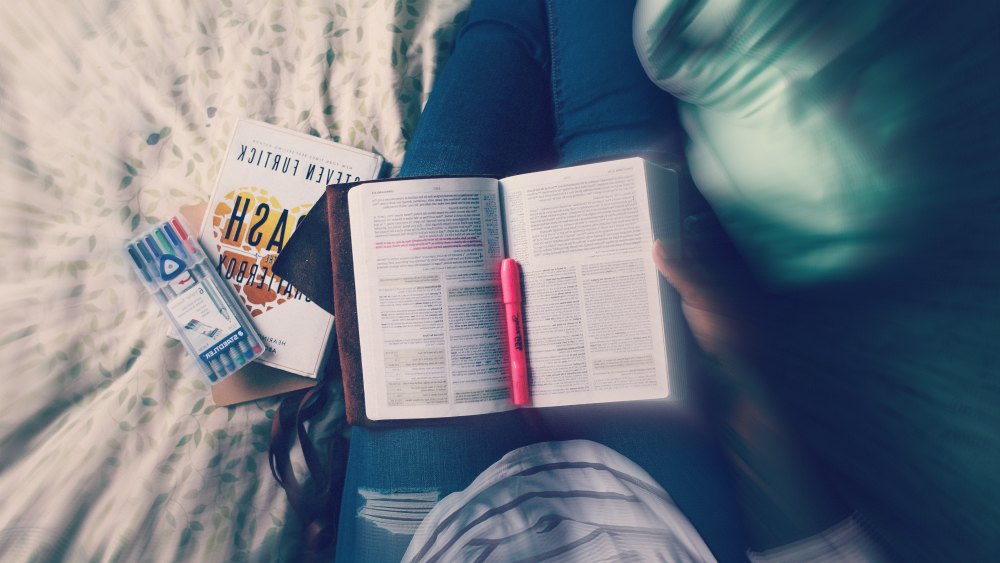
(287, 164)
(252, 227)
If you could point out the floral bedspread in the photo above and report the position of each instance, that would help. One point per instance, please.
(114, 114)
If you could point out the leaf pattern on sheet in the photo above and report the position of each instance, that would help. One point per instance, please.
(114, 115)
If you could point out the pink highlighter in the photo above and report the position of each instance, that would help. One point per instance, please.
(510, 287)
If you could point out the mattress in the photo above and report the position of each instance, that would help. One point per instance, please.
(114, 115)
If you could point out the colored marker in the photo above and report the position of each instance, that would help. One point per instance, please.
(149, 267)
(175, 242)
(188, 243)
(149, 251)
(214, 370)
(510, 287)
(153, 246)
(183, 234)
(244, 349)
(165, 252)
(212, 296)
(227, 363)
(139, 263)
(144, 251)
(237, 356)
(162, 240)
(178, 246)
(197, 268)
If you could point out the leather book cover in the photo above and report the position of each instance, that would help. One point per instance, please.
(319, 261)
(305, 259)
(345, 309)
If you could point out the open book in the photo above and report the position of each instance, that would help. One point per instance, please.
(597, 316)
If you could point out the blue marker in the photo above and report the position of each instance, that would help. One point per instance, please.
(144, 251)
(153, 246)
(175, 241)
(139, 263)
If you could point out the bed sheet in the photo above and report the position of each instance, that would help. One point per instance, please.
(114, 114)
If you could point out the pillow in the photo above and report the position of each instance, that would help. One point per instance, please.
(808, 122)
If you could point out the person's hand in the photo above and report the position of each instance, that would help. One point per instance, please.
(718, 293)
(702, 302)
(783, 498)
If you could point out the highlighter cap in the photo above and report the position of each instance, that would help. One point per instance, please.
(510, 280)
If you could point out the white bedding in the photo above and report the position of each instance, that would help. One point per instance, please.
(113, 115)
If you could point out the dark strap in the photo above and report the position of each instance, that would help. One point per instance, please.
(316, 499)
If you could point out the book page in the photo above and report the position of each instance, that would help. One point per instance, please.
(426, 259)
(592, 314)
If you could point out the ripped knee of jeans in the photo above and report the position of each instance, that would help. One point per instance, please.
(396, 512)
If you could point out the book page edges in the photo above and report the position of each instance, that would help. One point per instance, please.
(663, 191)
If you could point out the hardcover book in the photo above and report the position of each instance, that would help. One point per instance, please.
(269, 180)
(417, 296)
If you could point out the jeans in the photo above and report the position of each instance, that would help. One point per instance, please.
(396, 475)
(533, 85)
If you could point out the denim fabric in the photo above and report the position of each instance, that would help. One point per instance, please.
(490, 111)
(532, 85)
(605, 106)
(396, 475)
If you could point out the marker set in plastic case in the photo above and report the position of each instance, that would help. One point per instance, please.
(212, 324)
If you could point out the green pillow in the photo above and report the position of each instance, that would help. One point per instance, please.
(801, 118)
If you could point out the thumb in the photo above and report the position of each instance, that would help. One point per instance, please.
(678, 273)
(708, 322)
